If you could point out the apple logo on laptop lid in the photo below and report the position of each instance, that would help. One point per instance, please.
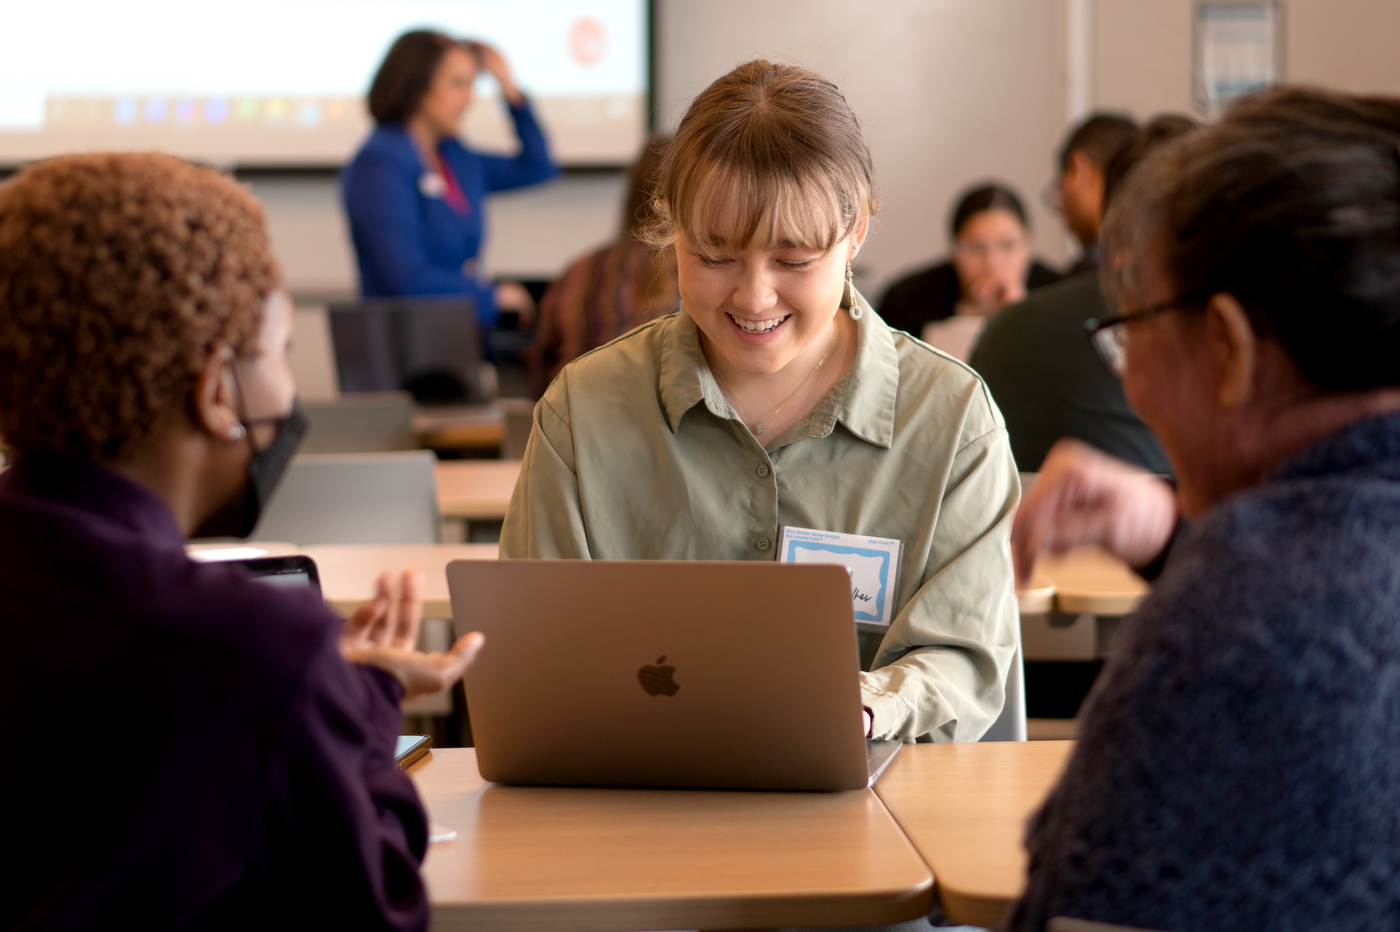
(656, 678)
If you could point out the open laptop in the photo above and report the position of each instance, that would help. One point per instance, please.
(665, 674)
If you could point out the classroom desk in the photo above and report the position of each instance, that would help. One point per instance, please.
(965, 808)
(540, 859)
(348, 571)
(476, 490)
(1090, 581)
(461, 426)
(1037, 596)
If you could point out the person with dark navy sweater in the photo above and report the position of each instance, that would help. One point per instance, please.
(185, 748)
(1239, 756)
(416, 196)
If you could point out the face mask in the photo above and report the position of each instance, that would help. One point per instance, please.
(239, 515)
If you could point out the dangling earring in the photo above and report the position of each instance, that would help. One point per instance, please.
(854, 310)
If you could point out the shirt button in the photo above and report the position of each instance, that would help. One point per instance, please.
(763, 544)
(763, 470)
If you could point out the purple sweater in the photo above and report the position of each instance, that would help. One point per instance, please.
(1240, 755)
(183, 748)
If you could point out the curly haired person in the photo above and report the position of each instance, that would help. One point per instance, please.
(237, 759)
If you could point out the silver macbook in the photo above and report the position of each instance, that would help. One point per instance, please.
(665, 674)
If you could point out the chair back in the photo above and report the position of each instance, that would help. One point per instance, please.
(1011, 724)
(355, 498)
(428, 346)
(363, 422)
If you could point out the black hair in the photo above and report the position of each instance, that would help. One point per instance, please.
(1292, 205)
(1159, 129)
(1098, 137)
(406, 74)
(985, 197)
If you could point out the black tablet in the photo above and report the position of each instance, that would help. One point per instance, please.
(294, 572)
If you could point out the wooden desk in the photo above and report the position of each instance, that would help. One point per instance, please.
(1037, 596)
(1091, 581)
(476, 490)
(348, 571)
(542, 859)
(470, 426)
(965, 808)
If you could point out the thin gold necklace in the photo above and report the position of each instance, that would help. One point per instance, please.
(758, 424)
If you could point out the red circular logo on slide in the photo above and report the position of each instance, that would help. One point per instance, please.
(588, 40)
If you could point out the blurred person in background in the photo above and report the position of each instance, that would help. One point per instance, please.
(609, 291)
(415, 195)
(1045, 376)
(1078, 190)
(991, 266)
(1236, 759)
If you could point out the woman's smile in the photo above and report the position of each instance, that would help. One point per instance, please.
(752, 331)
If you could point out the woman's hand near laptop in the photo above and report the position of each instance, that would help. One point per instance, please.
(383, 633)
(1085, 497)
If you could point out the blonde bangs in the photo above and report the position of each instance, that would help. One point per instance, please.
(768, 155)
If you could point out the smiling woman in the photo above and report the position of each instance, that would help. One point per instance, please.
(776, 398)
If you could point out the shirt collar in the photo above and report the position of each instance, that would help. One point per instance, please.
(863, 401)
(94, 489)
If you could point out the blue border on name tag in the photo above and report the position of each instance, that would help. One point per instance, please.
(884, 556)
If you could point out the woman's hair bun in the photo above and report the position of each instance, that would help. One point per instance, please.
(1292, 205)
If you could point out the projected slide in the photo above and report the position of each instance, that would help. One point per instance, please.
(283, 81)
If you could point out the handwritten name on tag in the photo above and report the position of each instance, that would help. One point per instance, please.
(872, 562)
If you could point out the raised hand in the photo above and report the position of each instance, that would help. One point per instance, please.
(494, 62)
(392, 618)
(384, 631)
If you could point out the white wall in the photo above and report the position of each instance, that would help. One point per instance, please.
(949, 92)
(1142, 50)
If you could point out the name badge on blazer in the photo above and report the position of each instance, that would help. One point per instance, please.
(431, 184)
(872, 562)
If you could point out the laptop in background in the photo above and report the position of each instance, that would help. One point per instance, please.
(658, 673)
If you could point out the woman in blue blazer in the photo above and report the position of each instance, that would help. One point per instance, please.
(414, 193)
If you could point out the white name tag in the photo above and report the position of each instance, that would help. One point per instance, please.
(873, 563)
(431, 184)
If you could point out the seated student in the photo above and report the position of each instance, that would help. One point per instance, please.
(1078, 190)
(609, 291)
(1236, 759)
(776, 397)
(184, 747)
(1042, 371)
(947, 304)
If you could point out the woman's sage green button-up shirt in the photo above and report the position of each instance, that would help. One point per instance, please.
(635, 454)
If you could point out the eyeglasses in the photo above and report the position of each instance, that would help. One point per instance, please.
(1052, 196)
(1110, 334)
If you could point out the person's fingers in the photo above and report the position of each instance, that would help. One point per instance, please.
(358, 630)
(468, 646)
(408, 611)
(378, 633)
(448, 667)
